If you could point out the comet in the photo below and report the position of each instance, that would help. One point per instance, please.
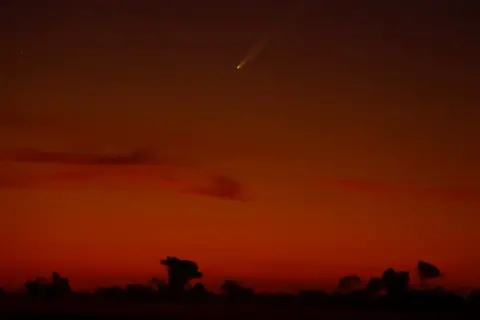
(253, 52)
(240, 65)
(291, 13)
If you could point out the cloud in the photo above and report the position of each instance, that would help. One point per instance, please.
(459, 193)
(136, 157)
(138, 168)
(221, 186)
(463, 193)
(359, 185)
(128, 169)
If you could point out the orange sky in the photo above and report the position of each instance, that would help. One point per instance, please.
(351, 149)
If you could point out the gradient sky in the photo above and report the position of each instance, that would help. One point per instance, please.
(348, 145)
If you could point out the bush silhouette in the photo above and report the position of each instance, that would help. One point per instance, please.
(61, 285)
(474, 298)
(374, 285)
(396, 283)
(139, 292)
(235, 292)
(349, 283)
(161, 286)
(41, 288)
(109, 293)
(198, 293)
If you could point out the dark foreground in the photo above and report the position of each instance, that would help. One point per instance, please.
(386, 297)
(131, 310)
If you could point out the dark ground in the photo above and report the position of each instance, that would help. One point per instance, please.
(84, 310)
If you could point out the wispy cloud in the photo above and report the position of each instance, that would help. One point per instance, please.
(467, 193)
(136, 157)
(221, 187)
(137, 168)
(143, 167)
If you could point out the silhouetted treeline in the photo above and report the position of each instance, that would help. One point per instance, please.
(56, 287)
(390, 290)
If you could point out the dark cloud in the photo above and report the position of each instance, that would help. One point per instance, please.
(136, 157)
(221, 186)
(85, 170)
(464, 193)
(459, 193)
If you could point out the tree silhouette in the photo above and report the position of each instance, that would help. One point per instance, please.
(139, 292)
(33, 288)
(61, 286)
(180, 272)
(55, 277)
(36, 288)
(198, 293)
(427, 271)
(349, 283)
(115, 293)
(40, 287)
(396, 283)
(230, 286)
(158, 284)
(198, 288)
(235, 292)
(474, 298)
(374, 285)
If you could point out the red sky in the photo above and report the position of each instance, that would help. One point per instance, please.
(348, 145)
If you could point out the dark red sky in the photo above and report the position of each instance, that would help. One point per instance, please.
(348, 145)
